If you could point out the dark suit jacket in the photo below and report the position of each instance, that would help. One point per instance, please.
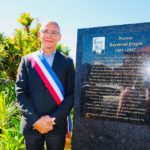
(34, 98)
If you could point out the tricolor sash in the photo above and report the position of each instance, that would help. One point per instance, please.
(48, 77)
(50, 80)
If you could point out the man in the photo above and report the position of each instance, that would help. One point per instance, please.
(98, 45)
(45, 89)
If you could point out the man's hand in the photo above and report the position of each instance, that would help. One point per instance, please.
(44, 124)
(49, 119)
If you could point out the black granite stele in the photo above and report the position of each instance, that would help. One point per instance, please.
(112, 89)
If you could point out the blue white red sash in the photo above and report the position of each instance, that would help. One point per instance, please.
(50, 80)
(48, 76)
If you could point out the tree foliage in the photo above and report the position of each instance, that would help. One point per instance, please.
(26, 20)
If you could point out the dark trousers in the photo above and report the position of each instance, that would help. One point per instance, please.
(53, 141)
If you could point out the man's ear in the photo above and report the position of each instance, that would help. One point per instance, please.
(59, 37)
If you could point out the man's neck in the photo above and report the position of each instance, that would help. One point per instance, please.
(48, 52)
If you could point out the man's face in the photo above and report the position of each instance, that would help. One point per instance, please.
(98, 45)
(49, 36)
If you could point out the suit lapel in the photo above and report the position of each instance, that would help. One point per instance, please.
(55, 65)
(58, 67)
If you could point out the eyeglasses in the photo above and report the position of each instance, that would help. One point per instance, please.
(52, 33)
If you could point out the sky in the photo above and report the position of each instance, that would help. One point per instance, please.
(73, 15)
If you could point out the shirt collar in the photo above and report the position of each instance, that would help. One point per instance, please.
(53, 54)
